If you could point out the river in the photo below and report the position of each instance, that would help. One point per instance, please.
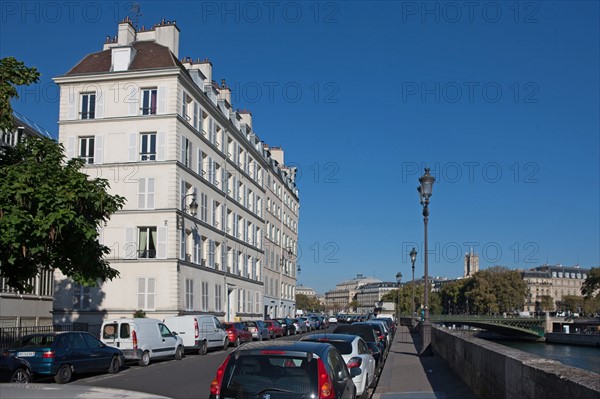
(584, 357)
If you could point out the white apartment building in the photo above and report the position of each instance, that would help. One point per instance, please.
(193, 234)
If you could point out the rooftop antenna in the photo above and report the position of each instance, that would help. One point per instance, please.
(135, 12)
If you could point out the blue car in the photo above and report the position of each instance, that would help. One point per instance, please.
(64, 353)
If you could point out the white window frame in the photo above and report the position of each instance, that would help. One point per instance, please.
(146, 293)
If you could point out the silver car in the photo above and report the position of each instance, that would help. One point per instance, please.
(300, 324)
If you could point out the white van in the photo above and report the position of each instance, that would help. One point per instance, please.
(199, 332)
(141, 339)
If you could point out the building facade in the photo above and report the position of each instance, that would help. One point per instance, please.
(338, 299)
(555, 281)
(369, 295)
(24, 309)
(471, 264)
(193, 235)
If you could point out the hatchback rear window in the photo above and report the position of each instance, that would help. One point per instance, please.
(344, 347)
(35, 340)
(277, 375)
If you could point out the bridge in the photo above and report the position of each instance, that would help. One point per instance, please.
(525, 327)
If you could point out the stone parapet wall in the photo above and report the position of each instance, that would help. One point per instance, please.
(494, 371)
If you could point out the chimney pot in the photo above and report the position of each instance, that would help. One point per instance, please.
(223, 83)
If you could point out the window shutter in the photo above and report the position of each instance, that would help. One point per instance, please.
(99, 104)
(161, 146)
(132, 98)
(98, 150)
(130, 243)
(71, 103)
(133, 151)
(161, 245)
(70, 147)
(142, 193)
(150, 193)
(162, 100)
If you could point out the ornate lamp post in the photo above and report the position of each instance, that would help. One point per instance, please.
(398, 280)
(413, 258)
(425, 188)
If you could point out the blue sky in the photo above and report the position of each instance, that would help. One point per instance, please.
(500, 99)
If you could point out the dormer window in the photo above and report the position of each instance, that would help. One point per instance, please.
(149, 98)
(88, 105)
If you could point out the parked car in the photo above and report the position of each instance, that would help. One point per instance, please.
(63, 354)
(258, 329)
(284, 369)
(315, 324)
(300, 325)
(141, 339)
(199, 332)
(367, 333)
(288, 326)
(275, 329)
(356, 354)
(238, 333)
(333, 320)
(14, 369)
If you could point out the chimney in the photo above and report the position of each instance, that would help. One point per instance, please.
(224, 92)
(166, 33)
(277, 154)
(126, 35)
(246, 117)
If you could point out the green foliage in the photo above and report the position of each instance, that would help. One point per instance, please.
(139, 314)
(495, 290)
(546, 302)
(49, 215)
(405, 293)
(591, 285)
(12, 73)
(309, 304)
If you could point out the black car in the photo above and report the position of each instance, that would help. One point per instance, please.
(14, 369)
(288, 326)
(286, 369)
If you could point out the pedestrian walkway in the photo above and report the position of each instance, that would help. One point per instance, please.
(406, 375)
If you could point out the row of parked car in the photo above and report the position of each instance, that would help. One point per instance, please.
(342, 364)
(134, 339)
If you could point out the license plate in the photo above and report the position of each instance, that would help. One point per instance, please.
(25, 354)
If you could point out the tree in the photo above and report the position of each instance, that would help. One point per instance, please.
(496, 290)
(50, 212)
(12, 73)
(591, 285)
(546, 302)
(308, 303)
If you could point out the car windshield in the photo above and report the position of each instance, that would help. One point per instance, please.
(278, 375)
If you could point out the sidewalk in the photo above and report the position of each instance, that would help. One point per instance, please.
(405, 375)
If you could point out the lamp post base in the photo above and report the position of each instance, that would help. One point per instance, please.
(426, 339)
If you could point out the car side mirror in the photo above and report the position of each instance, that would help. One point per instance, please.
(173, 333)
(354, 371)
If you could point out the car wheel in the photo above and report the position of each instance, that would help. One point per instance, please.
(145, 359)
(226, 344)
(203, 348)
(179, 353)
(237, 342)
(21, 376)
(64, 374)
(115, 365)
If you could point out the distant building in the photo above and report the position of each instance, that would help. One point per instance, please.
(345, 292)
(555, 281)
(368, 295)
(471, 263)
(309, 292)
(22, 309)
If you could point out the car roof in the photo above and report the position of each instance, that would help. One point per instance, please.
(319, 348)
(332, 337)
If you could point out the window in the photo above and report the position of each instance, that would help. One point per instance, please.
(146, 193)
(189, 294)
(81, 297)
(147, 242)
(211, 253)
(149, 97)
(185, 107)
(218, 297)
(88, 105)
(186, 152)
(148, 146)
(204, 296)
(86, 149)
(203, 207)
(146, 293)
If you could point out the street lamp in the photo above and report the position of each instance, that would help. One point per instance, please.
(425, 188)
(413, 258)
(398, 280)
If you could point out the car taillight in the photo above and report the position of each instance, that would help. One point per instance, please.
(196, 331)
(382, 337)
(354, 362)
(134, 339)
(325, 386)
(48, 355)
(215, 385)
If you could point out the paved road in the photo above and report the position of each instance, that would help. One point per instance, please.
(184, 379)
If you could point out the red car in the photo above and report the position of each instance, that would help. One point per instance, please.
(238, 333)
(275, 328)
